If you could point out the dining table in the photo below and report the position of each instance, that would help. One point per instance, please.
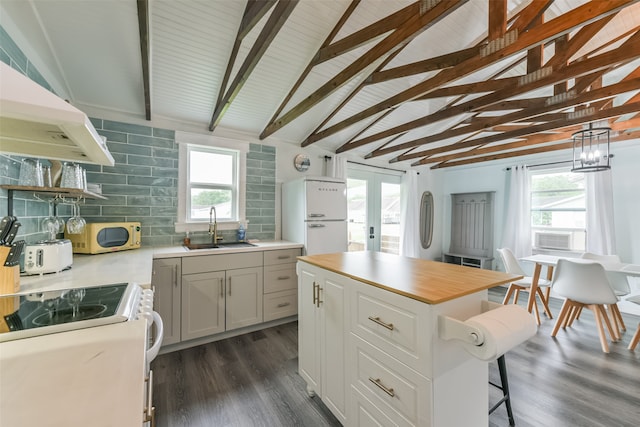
(550, 262)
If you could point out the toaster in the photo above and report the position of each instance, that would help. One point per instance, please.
(48, 256)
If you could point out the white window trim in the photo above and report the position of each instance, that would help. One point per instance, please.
(184, 139)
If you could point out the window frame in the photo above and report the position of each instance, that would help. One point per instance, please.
(233, 187)
(532, 210)
(185, 140)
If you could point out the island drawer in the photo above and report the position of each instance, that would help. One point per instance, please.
(281, 256)
(394, 323)
(280, 277)
(280, 304)
(401, 393)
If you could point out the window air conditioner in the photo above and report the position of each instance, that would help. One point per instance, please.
(559, 241)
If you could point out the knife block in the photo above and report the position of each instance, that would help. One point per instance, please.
(9, 276)
(9, 284)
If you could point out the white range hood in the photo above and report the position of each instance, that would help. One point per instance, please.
(35, 122)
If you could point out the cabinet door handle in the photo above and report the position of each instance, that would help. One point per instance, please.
(149, 410)
(382, 387)
(229, 286)
(283, 304)
(221, 287)
(314, 293)
(377, 320)
(284, 277)
(175, 275)
(318, 300)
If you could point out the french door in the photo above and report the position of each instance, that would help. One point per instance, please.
(373, 211)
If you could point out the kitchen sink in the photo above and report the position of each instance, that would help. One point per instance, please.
(228, 245)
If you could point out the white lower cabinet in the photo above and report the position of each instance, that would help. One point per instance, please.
(322, 335)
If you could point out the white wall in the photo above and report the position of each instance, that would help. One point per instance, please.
(491, 176)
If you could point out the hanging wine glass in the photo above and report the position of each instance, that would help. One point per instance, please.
(75, 224)
(51, 224)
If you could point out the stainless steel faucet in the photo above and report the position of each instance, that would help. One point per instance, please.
(213, 225)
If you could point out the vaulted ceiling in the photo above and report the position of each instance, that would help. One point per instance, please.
(430, 82)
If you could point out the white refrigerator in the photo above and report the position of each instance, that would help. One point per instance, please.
(314, 213)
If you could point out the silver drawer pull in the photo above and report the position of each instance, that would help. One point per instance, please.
(377, 382)
(283, 304)
(284, 277)
(284, 256)
(377, 320)
(316, 225)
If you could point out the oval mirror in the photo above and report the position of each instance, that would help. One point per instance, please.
(426, 219)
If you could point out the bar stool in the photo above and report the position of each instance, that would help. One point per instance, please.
(504, 386)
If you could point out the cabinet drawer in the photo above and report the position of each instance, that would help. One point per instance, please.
(363, 413)
(396, 324)
(280, 277)
(206, 263)
(281, 256)
(397, 390)
(280, 304)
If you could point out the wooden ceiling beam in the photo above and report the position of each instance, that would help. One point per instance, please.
(537, 150)
(275, 22)
(253, 12)
(396, 40)
(586, 117)
(343, 19)
(366, 34)
(581, 37)
(497, 19)
(532, 113)
(628, 51)
(581, 15)
(432, 64)
(143, 29)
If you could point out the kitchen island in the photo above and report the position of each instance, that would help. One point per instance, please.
(369, 343)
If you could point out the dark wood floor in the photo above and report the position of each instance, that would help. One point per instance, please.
(252, 380)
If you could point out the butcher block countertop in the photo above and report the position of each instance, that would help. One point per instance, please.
(431, 282)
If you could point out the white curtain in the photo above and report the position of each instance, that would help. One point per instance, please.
(601, 237)
(517, 225)
(409, 228)
(337, 167)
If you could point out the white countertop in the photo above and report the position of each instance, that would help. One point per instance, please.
(126, 266)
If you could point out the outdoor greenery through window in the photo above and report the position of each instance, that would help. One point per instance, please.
(212, 181)
(558, 214)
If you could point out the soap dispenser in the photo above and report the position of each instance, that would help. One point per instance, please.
(241, 233)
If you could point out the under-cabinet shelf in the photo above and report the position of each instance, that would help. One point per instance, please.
(63, 192)
(50, 191)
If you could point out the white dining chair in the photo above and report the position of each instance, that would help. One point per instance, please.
(618, 282)
(636, 337)
(584, 285)
(512, 266)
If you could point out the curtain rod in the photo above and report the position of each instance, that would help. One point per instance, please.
(372, 166)
(545, 164)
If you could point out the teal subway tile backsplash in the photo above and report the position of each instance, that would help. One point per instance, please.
(143, 184)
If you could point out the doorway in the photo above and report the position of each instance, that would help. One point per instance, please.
(373, 211)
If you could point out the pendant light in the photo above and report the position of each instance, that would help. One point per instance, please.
(591, 149)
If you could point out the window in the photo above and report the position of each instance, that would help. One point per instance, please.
(558, 211)
(212, 181)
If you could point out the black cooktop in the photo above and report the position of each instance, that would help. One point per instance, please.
(50, 308)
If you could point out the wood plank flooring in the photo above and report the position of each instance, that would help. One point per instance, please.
(252, 380)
